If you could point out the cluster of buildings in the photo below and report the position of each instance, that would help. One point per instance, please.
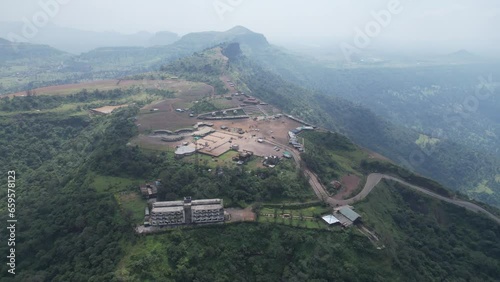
(344, 216)
(236, 113)
(200, 129)
(185, 150)
(203, 131)
(271, 161)
(299, 120)
(149, 190)
(243, 156)
(188, 211)
(293, 140)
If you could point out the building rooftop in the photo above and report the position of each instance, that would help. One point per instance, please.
(349, 213)
(206, 207)
(185, 150)
(207, 202)
(330, 219)
(168, 204)
(203, 131)
(167, 209)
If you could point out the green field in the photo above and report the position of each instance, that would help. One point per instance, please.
(331, 155)
(126, 193)
(132, 205)
(112, 184)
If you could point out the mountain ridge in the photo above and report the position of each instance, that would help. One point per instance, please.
(238, 34)
(21, 50)
(362, 125)
(76, 41)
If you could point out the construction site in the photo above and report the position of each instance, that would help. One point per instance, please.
(255, 128)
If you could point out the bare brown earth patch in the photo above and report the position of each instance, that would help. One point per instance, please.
(349, 185)
(241, 214)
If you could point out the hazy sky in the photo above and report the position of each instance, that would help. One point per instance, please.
(420, 20)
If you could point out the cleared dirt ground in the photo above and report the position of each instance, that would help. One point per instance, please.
(108, 109)
(349, 185)
(163, 114)
(167, 118)
(241, 214)
(183, 87)
(152, 143)
(66, 89)
(265, 129)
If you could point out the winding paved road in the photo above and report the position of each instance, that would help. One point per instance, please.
(371, 181)
(374, 178)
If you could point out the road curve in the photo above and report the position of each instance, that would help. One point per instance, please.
(374, 178)
(371, 181)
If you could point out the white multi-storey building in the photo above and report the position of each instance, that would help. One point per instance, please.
(186, 212)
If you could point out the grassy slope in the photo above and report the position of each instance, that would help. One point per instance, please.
(126, 194)
(447, 241)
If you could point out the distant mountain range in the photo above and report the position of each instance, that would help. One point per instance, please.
(462, 56)
(77, 41)
(15, 51)
(153, 57)
(238, 34)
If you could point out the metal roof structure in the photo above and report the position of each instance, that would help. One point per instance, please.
(168, 204)
(207, 202)
(207, 207)
(168, 209)
(330, 219)
(203, 131)
(185, 150)
(350, 214)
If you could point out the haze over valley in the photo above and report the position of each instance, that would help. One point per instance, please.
(250, 141)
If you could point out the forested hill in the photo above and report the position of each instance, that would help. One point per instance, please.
(77, 200)
(16, 51)
(334, 98)
(240, 34)
(447, 110)
(70, 228)
(138, 59)
(52, 67)
(455, 165)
